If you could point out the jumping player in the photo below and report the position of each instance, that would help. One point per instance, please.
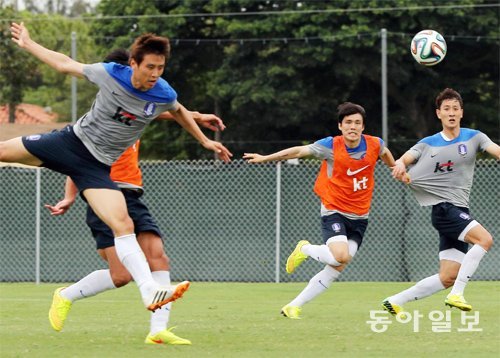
(129, 98)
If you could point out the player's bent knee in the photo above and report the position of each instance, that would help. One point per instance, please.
(343, 258)
(487, 242)
(122, 226)
(121, 279)
(159, 262)
(447, 280)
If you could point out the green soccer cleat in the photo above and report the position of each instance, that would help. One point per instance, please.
(393, 308)
(166, 337)
(162, 296)
(457, 301)
(59, 310)
(296, 257)
(292, 312)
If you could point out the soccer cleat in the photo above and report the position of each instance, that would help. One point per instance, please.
(166, 337)
(393, 308)
(296, 257)
(59, 310)
(457, 301)
(292, 312)
(162, 296)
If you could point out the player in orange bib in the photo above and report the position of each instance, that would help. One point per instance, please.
(345, 186)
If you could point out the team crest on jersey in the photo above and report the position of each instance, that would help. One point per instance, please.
(149, 109)
(462, 149)
(34, 137)
(336, 227)
(465, 216)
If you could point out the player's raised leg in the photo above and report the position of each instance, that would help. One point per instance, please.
(109, 205)
(14, 151)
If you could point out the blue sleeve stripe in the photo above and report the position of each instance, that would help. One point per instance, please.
(326, 142)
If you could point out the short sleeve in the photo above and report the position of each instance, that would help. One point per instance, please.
(416, 150)
(323, 148)
(95, 73)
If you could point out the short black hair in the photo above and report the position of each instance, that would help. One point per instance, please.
(118, 55)
(150, 44)
(348, 108)
(448, 93)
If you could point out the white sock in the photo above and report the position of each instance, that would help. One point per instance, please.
(159, 318)
(421, 289)
(92, 284)
(317, 285)
(131, 256)
(469, 265)
(320, 253)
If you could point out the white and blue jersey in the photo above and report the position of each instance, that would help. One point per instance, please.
(120, 112)
(444, 167)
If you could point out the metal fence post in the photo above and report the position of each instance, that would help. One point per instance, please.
(385, 130)
(37, 225)
(73, 80)
(278, 221)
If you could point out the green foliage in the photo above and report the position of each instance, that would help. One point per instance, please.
(16, 67)
(38, 83)
(243, 320)
(279, 77)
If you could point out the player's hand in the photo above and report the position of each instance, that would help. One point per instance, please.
(222, 152)
(60, 208)
(210, 121)
(406, 178)
(253, 157)
(398, 170)
(19, 33)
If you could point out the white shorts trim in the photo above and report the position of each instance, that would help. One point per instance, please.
(452, 255)
(472, 224)
(338, 238)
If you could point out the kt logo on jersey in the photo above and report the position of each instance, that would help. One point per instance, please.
(444, 167)
(124, 117)
(358, 184)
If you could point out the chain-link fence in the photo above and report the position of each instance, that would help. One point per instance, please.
(232, 222)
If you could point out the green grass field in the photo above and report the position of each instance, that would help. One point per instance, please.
(243, 320)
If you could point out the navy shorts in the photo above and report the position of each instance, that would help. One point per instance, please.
(137, 210)
(450, 221)
(337, 224)
(63, 152)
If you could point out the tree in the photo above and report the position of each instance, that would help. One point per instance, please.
(278, 73)
(23, 78)
(276, 70)
(16, 68)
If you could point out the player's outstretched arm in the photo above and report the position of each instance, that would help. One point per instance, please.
(63, 206)
(185, 119)
(289, 153)
(210, 121)
(56, 60)
(494, 150)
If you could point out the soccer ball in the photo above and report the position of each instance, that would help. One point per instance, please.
(428, 47)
